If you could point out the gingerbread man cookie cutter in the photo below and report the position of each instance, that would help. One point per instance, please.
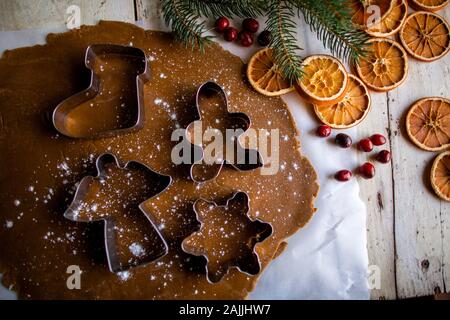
(86, 191)
(62, 118)
(236, 236)
(201, 172)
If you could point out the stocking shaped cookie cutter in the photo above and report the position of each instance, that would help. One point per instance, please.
(197, 244)
(200, 172)
(61, 119)
(83, 191)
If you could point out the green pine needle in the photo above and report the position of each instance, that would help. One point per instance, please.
(185, 23)
(284, 44)
(229, 8)
(331, 21)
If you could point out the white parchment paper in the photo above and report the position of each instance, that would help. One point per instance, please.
(328, 258)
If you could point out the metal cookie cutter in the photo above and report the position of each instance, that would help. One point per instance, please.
(88, 205)
(201, 171)
(227, 237)
(67, 126)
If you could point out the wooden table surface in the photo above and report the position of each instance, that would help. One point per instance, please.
(408, 227)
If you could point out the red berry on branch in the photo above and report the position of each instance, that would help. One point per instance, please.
(230, 34)
(367, 170)
(264, 38)
(221, 24)
(384, 156)
(365, 145)
(250, 25)
(246, 38)
(323, 131)
(343, 175)
(378, 139)
(343, 140)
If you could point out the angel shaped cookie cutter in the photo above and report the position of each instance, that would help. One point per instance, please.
(88, 190)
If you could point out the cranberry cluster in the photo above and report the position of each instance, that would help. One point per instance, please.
(246, 37)
(367, 170)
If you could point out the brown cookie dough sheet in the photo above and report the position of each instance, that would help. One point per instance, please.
(40, 168)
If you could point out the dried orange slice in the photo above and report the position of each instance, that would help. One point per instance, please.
(365, 14)
(392, 23)
(429, 5)
(428, 123)
(353, 108)
(425, 36)
(264, 75)
(324, 81)
(440, 175)
(385, 67)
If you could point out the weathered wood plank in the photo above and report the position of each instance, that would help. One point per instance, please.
(25, 14)
(421, 220)
(445, 206)
(445, 231)
(148, 13)
(377, 193)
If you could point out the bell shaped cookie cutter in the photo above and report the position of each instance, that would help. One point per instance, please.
(238, 231)
(201, 172)
(61, 119)
(85, 191)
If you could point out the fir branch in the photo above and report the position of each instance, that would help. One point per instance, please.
(331, 21)
(284, 44)
(229, 8)
(185, 23)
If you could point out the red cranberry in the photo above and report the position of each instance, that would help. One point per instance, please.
(367, 170)
(264, 38)
(323, 131)
(365, 145)
(378, 139)
(221, 24)
(384, 156)
(343, 175)
(246, 38)
(250, 25)
(230, 34)
(343, 140)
